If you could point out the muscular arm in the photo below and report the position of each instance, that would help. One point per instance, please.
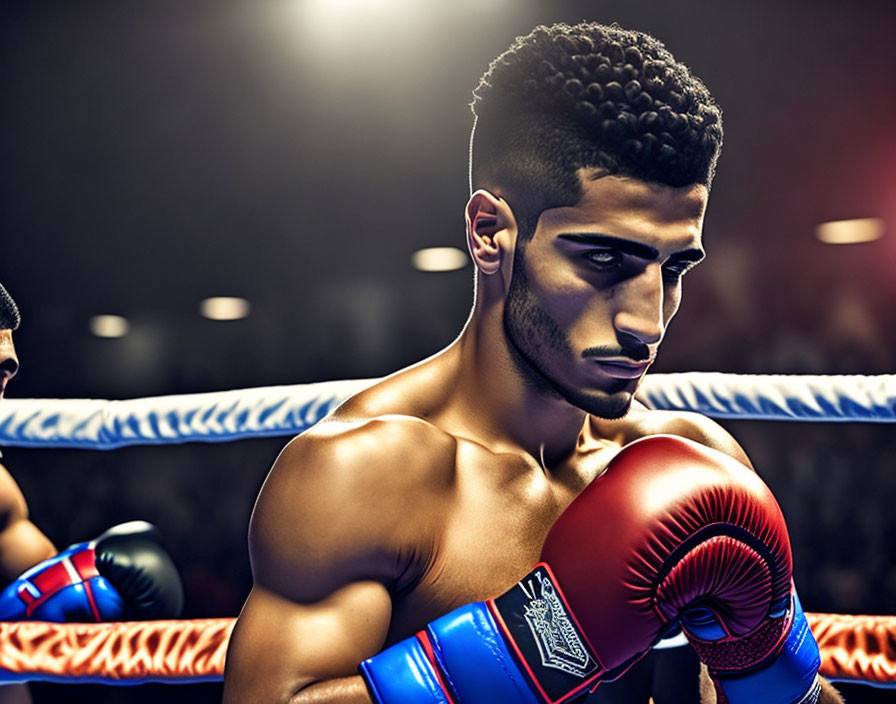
(325, 543)
(22, 545)
(282, 651)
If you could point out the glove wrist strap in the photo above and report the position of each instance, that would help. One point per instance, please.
(792, 676)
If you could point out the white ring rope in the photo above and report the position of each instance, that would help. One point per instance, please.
(288, 410)
(844, 398)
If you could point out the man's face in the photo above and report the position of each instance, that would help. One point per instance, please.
(592, 292)
(9, 363)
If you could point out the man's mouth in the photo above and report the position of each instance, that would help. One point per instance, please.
(622, 369)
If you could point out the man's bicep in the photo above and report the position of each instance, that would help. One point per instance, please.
(279, 647)
(22, 545)
(323, 561)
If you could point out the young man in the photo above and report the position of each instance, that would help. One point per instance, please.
(22, 544)
(442, 486)
(123, 574)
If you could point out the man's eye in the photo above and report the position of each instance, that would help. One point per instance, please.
(604, 258)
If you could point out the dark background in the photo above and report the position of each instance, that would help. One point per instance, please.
(296, 152)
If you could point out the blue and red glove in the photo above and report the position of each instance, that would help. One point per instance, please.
(123, 574)
(672, 533)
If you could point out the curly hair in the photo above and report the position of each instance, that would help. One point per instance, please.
(588, 96)
(9, 312)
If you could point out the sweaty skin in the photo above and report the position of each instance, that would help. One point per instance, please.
(437, 486)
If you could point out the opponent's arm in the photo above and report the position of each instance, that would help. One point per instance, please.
(324, 543)
(22, 544)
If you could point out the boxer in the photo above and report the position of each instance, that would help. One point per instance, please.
(22, 544)
(123, 574)
(446, 485)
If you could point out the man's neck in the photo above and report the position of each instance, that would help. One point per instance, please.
(499, 406)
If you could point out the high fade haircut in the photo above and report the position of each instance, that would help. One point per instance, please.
(606, 99)
(9, 311)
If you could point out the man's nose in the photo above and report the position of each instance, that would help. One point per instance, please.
(9, 366)
(639, 312)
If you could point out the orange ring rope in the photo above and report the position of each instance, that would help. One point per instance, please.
(126, 652)
(859, 649)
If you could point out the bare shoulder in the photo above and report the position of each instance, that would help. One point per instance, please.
(348, 500)
(12, 502)
(693, 426)
(379, 455)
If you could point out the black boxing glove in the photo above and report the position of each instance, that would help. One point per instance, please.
(131, 557)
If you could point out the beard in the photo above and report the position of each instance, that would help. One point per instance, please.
(537, 342)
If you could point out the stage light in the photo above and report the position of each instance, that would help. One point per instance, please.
(224, 308)
(109, 326)
(851, 231)
(439, 259)
(335, 15)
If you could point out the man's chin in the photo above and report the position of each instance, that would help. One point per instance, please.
(603, 405)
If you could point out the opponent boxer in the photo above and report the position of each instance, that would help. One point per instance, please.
(22, 544)
(125, 573)
(442, 487)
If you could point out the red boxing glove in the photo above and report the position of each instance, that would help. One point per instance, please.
(677, 531)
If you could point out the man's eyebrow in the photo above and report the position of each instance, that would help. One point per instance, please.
(631, 247)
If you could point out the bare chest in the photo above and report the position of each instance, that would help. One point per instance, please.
(492, 533)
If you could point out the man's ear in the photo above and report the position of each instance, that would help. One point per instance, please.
(491, 231)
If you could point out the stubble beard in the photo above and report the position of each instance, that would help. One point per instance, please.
(534, 336)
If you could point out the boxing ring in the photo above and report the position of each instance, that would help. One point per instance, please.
(854, 648)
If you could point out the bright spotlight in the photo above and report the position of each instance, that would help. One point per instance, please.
(851, 231)
(334, 14)
(439, 259)
(224, 308)
(109, 326)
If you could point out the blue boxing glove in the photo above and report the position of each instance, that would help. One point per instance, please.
(525, 647)
(790, 675)
(123, 574)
